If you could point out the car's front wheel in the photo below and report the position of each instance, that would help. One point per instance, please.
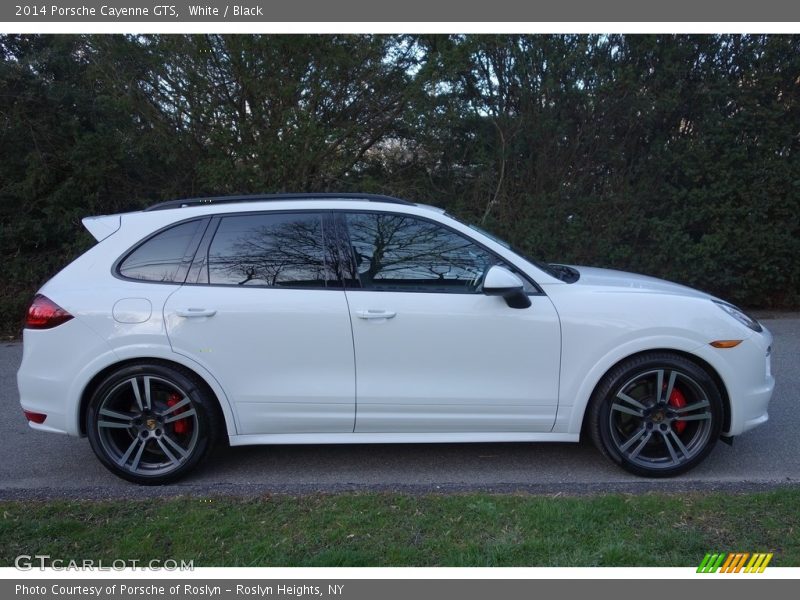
(656, 415)
(151, 423)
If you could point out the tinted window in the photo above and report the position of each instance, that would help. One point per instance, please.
(167, 255)
(269, 250)
(403, 253)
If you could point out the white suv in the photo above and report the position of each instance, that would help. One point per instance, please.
(352, 318)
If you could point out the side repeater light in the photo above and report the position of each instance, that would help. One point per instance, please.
(726, 343)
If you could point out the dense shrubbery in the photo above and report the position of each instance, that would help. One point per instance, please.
(671, 155)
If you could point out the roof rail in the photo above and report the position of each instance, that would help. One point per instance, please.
(274, 197)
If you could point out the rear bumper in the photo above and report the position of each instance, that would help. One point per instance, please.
(53, 373)
(43, 391)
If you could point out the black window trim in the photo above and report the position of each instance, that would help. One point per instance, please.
(200, 261)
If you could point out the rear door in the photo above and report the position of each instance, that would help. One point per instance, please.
(265, 313)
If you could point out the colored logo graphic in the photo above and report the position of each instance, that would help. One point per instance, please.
(735, 562)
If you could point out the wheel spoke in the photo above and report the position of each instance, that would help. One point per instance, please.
(115, 415)
(121, 462)
(189, 413)
(175, 407)
(696, 406)
(142, 383)
(113, 424)
(625, 398)
(166, 451)
(668, 444)
(136, 393)
(675, 438)
(659, 384)
(147, 396)
(635, 452)
(697, 417)
(670, 385)
(175, 446)
(138, 457)
(639, 433)
(628, 411)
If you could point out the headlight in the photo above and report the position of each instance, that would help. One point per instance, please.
(740, 315)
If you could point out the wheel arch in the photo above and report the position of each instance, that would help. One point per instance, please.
(226, 416)
(700, 362)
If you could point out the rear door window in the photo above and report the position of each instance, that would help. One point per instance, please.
(271, 250)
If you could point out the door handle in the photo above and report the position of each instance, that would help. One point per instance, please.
(193, 313)
(375, 314)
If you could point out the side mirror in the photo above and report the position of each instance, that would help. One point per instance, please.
(499, 281)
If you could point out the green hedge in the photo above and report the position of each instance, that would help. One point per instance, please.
(675, 156)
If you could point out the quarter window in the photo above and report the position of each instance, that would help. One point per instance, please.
(166, 256)
(272, 250)
(405, 253)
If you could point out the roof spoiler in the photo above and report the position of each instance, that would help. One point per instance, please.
(102, 226)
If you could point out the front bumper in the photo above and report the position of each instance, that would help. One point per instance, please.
(746, 372)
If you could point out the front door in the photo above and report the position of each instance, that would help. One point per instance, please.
(433, 353)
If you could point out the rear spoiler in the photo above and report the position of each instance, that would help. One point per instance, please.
(102, 226)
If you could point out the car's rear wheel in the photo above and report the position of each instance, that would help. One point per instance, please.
(656, 415)
(151, 423)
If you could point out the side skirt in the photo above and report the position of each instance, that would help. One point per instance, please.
(398, 438)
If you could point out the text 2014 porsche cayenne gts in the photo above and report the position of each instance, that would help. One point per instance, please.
(326, 319)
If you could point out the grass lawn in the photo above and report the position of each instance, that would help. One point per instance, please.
(382, 529)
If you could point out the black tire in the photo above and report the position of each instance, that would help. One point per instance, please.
(656, 435)
(151, 423)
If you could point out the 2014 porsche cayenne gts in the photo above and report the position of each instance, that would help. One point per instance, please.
(353, 318)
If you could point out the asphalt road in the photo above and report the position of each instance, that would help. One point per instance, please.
(40, 465)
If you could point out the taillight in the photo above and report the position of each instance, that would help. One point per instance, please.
(43, 313)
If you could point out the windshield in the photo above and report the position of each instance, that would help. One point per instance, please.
(491, 236)
(553, 271)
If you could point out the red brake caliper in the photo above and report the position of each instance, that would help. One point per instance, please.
(677, 400)
(182, 426)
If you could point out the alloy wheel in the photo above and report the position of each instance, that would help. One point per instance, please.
(147, 425)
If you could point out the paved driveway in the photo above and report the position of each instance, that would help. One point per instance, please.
(34, 464)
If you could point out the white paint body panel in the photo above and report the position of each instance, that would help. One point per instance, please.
(287, 366)
(454, 362)
(608, 316)
(284, 356)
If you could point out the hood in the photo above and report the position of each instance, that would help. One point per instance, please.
(633, 282)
